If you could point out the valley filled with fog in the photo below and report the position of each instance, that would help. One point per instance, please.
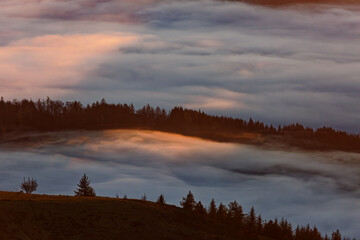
(320, 188)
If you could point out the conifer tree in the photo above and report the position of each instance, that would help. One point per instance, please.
(212, 208)
(259, 223)
(235, 213)
(188, 203)
(222, 211)
(336, 235)
(84, 188)
(251, 218)
(251, 230)
(161, 200)
(199, 208)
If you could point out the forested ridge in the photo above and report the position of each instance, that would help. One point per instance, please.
(49, 115)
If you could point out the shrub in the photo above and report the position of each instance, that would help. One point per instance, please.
(29, 185)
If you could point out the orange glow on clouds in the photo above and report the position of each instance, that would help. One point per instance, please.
(50, 60)
(168, 145)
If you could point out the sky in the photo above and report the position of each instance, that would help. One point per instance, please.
(297, 63)
(318, 188)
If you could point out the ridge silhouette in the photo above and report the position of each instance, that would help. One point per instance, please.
(48, 115)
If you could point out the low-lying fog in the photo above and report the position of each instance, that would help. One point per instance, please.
(305, 187)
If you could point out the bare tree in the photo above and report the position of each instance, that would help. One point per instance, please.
(29, 185)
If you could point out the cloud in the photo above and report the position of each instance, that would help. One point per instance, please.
(96, 10)
(42, 62)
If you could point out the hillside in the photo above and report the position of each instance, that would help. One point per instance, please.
(32, 216)
(25, 216)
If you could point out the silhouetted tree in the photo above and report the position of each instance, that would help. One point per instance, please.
(251, 230)
(161, 200)
(221, 212)
(125, 197)
(29, 185)
(212, 208)
(336, 235)
(143, 197)
(235, 213)
(188, 203)
(251, 218)
(199, 208)
(259, 224)
(84, 188)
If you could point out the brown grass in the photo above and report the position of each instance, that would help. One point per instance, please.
(30, 216)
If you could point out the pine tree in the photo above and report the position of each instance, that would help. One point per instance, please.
(336, 235)
(161, 200)
(259, 223)
(222, 212)
(144, 197)
(199, 208)
(235, 213)
(84, 188)
(188, 203)
(212, 208)
(251, 218)
(251, 230)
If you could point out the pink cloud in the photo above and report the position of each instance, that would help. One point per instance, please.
(34, 64)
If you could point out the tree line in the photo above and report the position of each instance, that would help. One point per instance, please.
(50, 114)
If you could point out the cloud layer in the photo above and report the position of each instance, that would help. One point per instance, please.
(315, 188)
(279, 65)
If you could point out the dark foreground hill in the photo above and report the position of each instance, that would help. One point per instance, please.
(31, 216)
(25, 216)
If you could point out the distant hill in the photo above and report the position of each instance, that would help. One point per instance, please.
(30, 216)
(49, 115)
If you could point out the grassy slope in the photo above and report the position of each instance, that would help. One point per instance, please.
(25, 216)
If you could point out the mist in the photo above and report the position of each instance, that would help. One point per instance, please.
(320, 188)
